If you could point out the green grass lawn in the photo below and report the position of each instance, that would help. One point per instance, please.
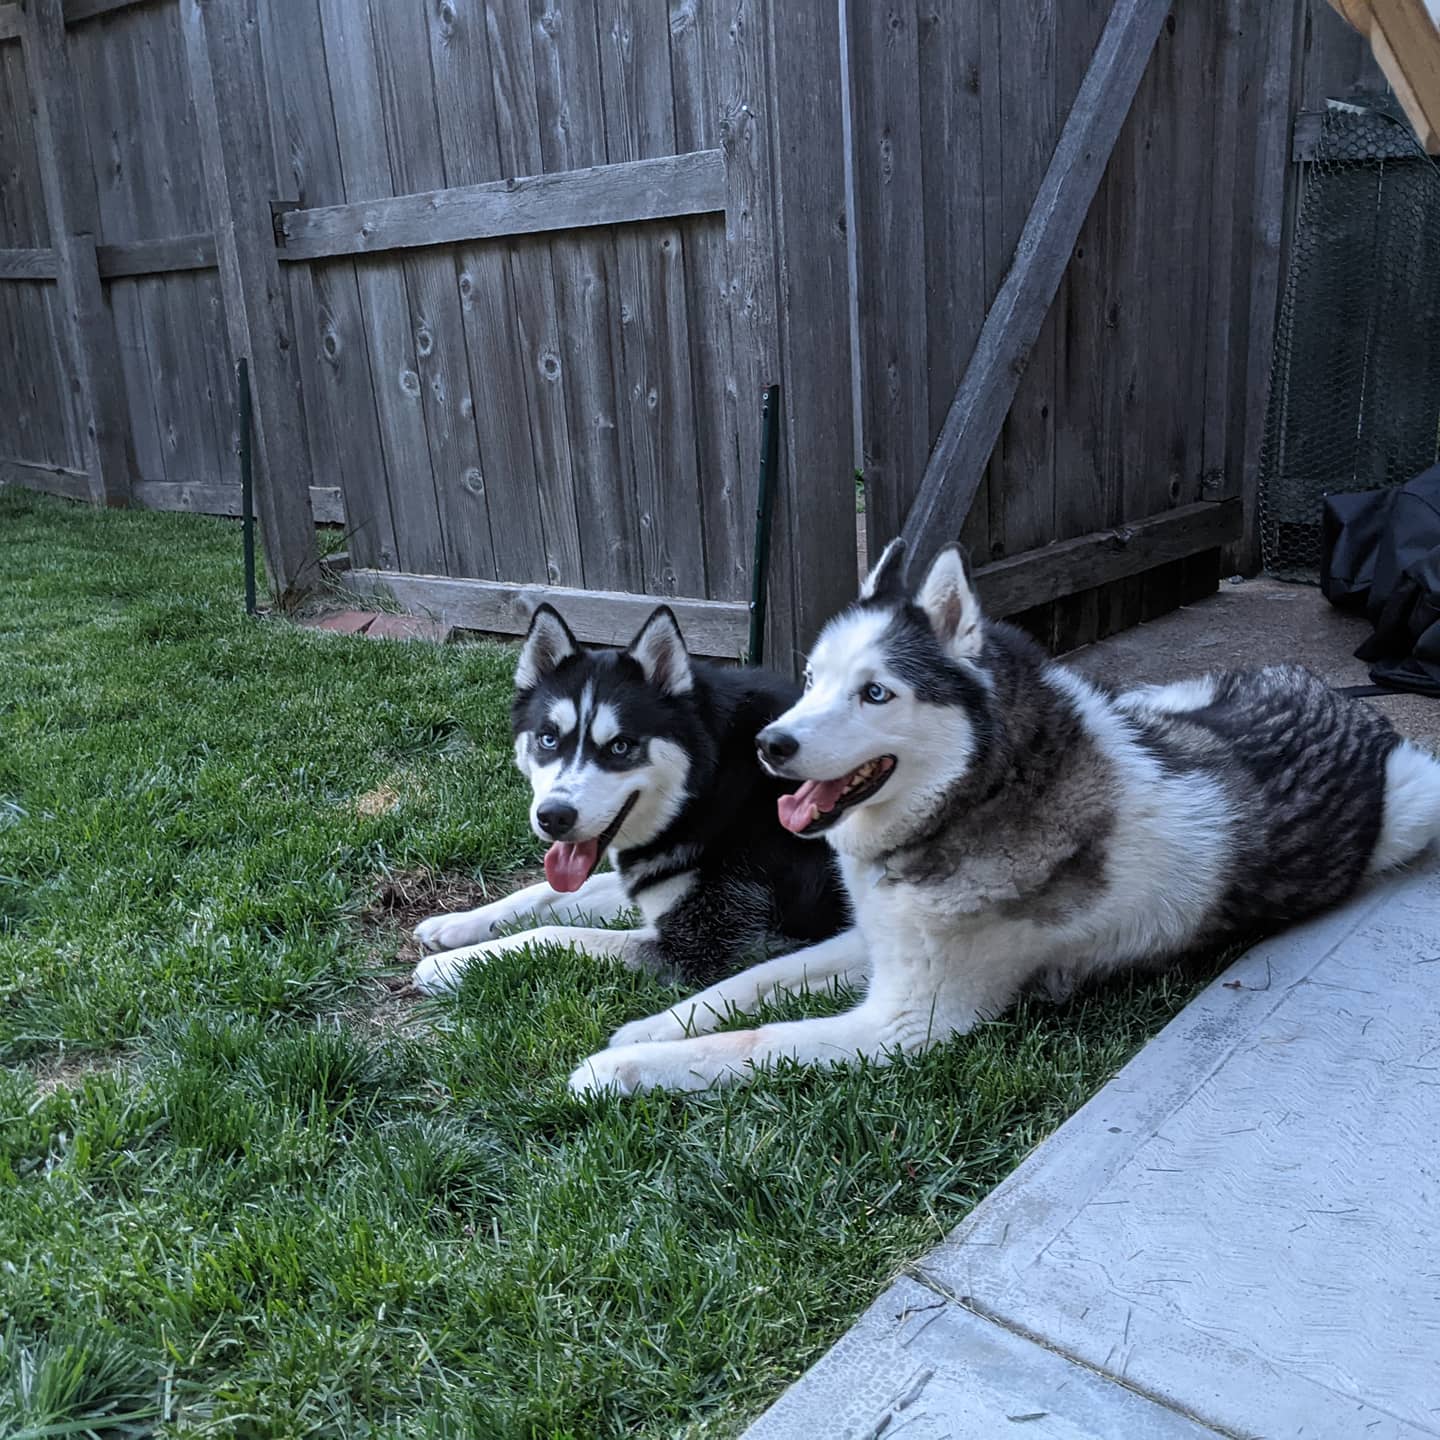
(245, 1190)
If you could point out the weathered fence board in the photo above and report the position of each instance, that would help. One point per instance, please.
(28, 265)
(157, 257)
(496, 41)
(1024, 581)
(212, 498)
(639, 131)
(726, 495)
(387, 333)
(68, 185)
(228, 89)
(616, 194)
(342, 416)
(49, 479)
(711, 627)
(578, 414)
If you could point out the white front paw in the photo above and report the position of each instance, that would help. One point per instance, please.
(441, 974)
(604, 1072)
(653, 1028)
(467, 927)
(629, 1069)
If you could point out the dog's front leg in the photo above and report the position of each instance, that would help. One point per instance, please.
(437, 974)
(874, 1031)
(601, 897)
(840, 959)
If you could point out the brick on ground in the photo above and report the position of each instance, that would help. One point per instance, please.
(343, 622)
(409, 627)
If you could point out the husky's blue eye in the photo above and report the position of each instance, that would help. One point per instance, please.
(619, 747)
(876, 694)
(548, 739)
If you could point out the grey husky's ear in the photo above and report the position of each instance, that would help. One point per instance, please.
(660, 649)
(951, 605)
(548, 643)
(887, 580)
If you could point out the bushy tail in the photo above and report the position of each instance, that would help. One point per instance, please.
(1411, 820)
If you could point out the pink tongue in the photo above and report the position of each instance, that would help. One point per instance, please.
(795, 809)
(568, 867)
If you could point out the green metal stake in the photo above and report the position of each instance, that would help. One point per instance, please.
(247, 483)
(764, 509)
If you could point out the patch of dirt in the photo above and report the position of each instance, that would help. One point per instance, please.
(405, 899)
(377, 801)
(65, 1072)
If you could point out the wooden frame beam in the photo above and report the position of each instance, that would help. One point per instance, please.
(1405, 37)
(603, 617)
(12, 20)
(157, 257)
(621, 194)
(87, 330)
(48, 479)
(208, 497)
(977, 414)
(28, 265)
(1069, 566)
(223, 57)
(78, 10)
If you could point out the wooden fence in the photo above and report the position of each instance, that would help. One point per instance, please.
(504, 386)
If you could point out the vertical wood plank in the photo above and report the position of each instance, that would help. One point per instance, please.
(513, 316)
(726, 496)
(1263, 170)
(639, 122)
(341, 414)
(384, 297)
(739, 32)
(173, 202)
(408, 102)
(98, 69)
(74, 219)
(1084, 489)
(227, 83)
(39, 409)
(960, 120)
(1229, 209)
(891, 237)
(572, 334)
(809, 186)
(462, 55)
(1022, 506)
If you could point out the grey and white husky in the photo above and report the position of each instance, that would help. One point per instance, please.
(647, 757)
(1001, 821)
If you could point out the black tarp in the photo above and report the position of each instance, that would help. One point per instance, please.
(1380, 557)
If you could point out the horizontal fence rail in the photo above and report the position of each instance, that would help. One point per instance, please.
(635, 190)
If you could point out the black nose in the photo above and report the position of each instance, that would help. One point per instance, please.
(556, 818)
(776, 746)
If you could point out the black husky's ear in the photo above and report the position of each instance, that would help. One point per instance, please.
(887, 580)
(951, 606)
(660, 649)
(548, 643)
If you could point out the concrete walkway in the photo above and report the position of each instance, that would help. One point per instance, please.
(1239, 1235)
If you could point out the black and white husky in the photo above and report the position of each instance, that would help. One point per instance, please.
(1001, 821)
(648, 756)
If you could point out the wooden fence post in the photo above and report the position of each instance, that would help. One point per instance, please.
(222, 48)
(73, 210)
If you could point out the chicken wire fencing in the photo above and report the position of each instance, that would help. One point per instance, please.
(1355, 384)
